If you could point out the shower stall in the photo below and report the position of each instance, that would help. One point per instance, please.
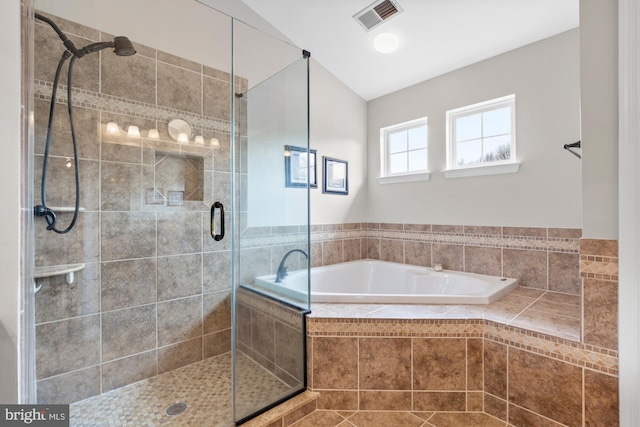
(169, 195)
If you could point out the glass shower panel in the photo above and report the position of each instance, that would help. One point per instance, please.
(273, 169)
(151, 291)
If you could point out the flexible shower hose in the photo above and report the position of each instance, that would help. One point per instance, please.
(42, 210)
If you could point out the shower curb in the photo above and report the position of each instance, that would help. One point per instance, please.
(288, 412)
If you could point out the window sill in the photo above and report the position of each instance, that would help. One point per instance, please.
(413, 177)
(482, 170)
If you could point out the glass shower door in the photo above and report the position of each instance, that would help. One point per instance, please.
(271, 239)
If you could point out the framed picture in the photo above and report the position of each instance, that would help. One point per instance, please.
(297, 169)
(336, 176)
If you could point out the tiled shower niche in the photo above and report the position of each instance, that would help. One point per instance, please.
(154, 293)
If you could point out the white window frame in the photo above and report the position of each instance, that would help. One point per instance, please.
(392, 178)
(482, 168)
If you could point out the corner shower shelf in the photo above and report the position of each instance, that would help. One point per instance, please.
(57, 270)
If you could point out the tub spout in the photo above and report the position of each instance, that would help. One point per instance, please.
(282, 270)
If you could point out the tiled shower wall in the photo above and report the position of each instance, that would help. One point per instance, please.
(154, 292)
(543, 258)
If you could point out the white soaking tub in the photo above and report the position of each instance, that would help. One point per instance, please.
(370, 281)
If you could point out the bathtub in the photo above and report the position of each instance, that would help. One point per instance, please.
(370, 281)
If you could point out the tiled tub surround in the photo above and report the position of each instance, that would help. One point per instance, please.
(155, 292)
(378, 356)
(543, 258)
(418, 365)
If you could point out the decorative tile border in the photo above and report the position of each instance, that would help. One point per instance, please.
(98, 101)
(416, 233)
(592, 357)
(599, 359)
(395, 328)
(599, 267)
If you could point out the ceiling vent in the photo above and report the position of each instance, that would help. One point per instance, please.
(376, 13)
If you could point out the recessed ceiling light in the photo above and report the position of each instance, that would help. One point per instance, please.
(386, 42)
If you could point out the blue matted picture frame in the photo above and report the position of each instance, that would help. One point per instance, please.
(336, 176)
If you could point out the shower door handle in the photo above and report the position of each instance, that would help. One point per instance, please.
(217, 237)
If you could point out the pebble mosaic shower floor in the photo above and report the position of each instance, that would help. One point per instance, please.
(204, 386)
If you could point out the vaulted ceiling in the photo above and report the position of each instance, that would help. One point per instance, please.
(436, 36)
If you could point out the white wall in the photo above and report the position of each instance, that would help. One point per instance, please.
(599, 92)
(10, 195)
(338, 130)
(546, 192)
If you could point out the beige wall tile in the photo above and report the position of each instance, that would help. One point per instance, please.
(385, 400)
(521, 417)
(338, 400)
(179, 88)
(385, 363)
(352, 250)
(531, 377)
(439, 228)
(331, 252)
(71, 387)
(475, 401)
(178, 355)
(179, 320)
(474, 364)
(601, 401)
(439, 364)
(216, 343)
(129, 370)
(495, 369)
(289, 354)
(529, 267)
(600, 321)
(392, 250)
(128, 331)
(80, 298)
(608, 248)
(81, 338)
(495, 406)
(564, 273)
(128, 235)
(130, 77)
(565, 233)
(179, 276)
(474, 229)
(128, 283)
(335, 363)
(417, 253)
(216, 311)
(524, 231)
(262, 334)
(450, 256)
(373, 248)
(439, 401)
(483, 260)
(179, 233)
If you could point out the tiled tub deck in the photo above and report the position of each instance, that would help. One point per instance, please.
(518, 360)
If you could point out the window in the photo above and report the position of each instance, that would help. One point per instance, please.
(482, 135)
(403, 152)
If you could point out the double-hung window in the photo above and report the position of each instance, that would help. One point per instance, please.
(482, 137)
(403, 152)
